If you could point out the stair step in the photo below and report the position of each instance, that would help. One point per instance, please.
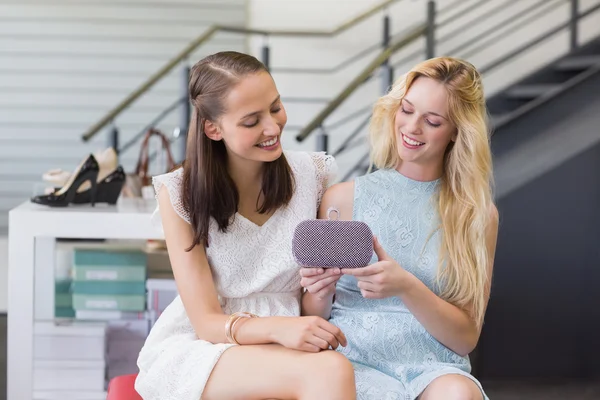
(497, 118)
(578, 63)
(531, 91)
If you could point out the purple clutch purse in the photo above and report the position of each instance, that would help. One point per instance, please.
(330, 243)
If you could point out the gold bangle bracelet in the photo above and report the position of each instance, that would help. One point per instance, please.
(246, 315)
(233, 318)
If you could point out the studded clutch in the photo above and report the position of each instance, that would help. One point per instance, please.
(330, 243)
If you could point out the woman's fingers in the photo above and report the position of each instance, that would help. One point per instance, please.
(316, 287)
(306, 272)
(366, 285)
(310, 280)
(335, 331)
(317, 340)
(310, 348)
(311, 272)
(328, 337)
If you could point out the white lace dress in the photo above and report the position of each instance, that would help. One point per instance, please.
(254, 271)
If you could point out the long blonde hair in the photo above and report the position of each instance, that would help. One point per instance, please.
(465, 193)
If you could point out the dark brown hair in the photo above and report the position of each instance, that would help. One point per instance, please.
(208, 190)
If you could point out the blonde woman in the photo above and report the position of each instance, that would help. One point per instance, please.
(412, 317)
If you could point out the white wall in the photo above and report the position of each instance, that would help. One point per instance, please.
(325, 53)
(64, 64)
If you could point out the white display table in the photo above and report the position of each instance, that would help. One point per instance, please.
(33, 230)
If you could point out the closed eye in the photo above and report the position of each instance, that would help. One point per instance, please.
(404, 111)
(252, 125)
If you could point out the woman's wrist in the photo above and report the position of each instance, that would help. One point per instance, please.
(312, 304)
(324, 298)
(256, 331)
(407, 283)
(270, 327)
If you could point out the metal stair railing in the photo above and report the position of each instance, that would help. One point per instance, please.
(181, 57)
(474, 45)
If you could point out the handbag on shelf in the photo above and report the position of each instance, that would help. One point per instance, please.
(139, 183)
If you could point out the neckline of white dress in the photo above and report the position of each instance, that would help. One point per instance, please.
(245, 220)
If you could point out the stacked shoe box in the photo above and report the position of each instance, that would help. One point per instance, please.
(108, 280)
(63, 299)
(69, 361)
(109, 285)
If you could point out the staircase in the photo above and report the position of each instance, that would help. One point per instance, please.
(537, 128)
(539, 89)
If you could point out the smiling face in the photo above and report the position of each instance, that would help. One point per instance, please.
(253, 121)
(422, 127)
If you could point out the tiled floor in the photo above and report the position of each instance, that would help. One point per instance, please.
(495, 390)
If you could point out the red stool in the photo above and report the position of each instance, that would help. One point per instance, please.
(122, 388)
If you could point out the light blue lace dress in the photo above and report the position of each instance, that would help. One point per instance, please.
(393, 355)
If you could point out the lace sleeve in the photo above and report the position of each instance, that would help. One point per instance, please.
(326, 171)
(172, 181)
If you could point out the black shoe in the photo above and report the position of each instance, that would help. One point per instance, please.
(87, 171)
(107, 191)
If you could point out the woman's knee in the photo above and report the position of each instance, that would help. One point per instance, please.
(338, 362)
(327, 372)
(331, 365)
(452, 387)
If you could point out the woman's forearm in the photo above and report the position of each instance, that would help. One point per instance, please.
(446, 322)
(245, 331)
(313, 305)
